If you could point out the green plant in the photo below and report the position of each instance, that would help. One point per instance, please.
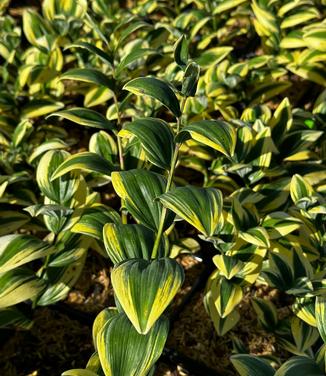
(191, 122)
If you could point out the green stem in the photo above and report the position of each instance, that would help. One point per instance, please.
(47, 259)
(176, 6)
(44, 269)
(169, 183)
(124, 217)
(211, 10)
(120, 149)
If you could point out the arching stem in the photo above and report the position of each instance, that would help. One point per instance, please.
(169, 183)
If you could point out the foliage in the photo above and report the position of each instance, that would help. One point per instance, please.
(227, 92)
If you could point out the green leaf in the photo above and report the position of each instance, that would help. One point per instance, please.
(123, 242)
(123, 351)
(155, 137)
(315, 72)
(181, 51)
(226, 296)
(320, 357)
(139, 189)
(301, 16)
(97, 95)
(131, 28)
(84, 116)
(267, 89)
(40, 107)
(18, 285)
(227, 5)
(79, 372)
(104, 145)
(217, 134)
(37, 31)
(13, 317)
(228, 266)
(70, 247)
(316, 38)
(244, 216)
(61, 279)
(93, 25)
(68, 9)
(89, 75)
(93, 219)
(320, 312)
(86, 161)
(12, 220)
(94, 363)
(145, 289)
(16, 250)
(213, 56)
(261, 153)
(304, 335)
(299, 366)
(54, 211)
(256, 235)
(201, 207)
(293, 40)
(250, 365)
(266, 312)
(280, 273)
(106, 58)
(281, 121)
(53, 144)
(62, 189)
(190, 80)
(279, 224)
(22, 132)
(101, 319)
(221, 325)
(304, 308)
(266, 23)
(157, 89)
(300, 188)
(135, 54)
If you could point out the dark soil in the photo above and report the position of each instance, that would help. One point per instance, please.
(58, 342)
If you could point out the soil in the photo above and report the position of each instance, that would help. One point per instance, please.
(58, 342)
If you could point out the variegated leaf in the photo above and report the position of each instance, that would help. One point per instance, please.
(217, 134)
(250, 365)
(201, 207)
(145, 289)
(17, 250)
(123, 351)
(85, 161)
(155, 137)
(123, 242)
(92, 220)
(320, 312)
(157, 89)
(18, 285)
(139, 189)
(61, 190)
(226, 296)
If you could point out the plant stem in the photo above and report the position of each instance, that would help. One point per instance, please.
(176, 6)
(47, 259)
(45, 266)
(124, 218)
(169, 183)
(120, 150)
(211, 10)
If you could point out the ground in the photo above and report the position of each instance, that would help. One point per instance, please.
(58, 341)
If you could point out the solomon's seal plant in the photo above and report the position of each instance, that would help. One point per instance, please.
(202, 121)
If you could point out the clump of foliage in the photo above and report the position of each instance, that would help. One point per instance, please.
(227, 92)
